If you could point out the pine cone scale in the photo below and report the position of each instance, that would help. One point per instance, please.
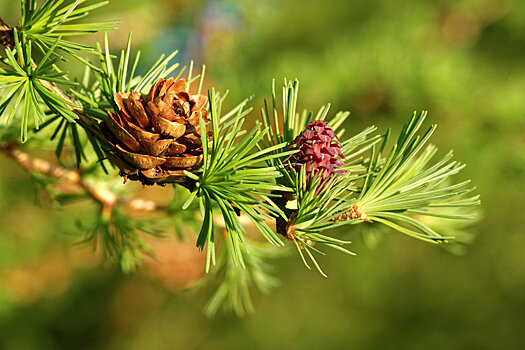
(154, 90)
(161, 176)
(175, 149)
(184, 161)
(141, 161)
(200, 101)
(122, 112)
(165, 127)
(155, 148)
(141, 134)
(136, 109)
(122, 134)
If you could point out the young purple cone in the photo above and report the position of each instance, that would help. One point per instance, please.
(319, 151)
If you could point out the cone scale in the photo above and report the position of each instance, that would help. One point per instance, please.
(319, 151)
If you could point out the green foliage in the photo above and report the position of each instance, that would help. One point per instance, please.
(406, 185)
(78, 139)
(118, 237)
(318, 205)
(111, 80)
(53, 19)
(235, 178)
(234, 281)
(394, 191)
(185, 219)
(292, 123)
(24, 79)
(284, 126)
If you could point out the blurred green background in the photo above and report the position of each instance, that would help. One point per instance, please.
(464, 61)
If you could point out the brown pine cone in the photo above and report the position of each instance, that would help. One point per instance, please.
(157, 137)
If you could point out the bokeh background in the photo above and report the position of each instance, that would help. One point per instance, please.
(464, 61)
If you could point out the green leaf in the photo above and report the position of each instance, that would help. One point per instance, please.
(406, 184)
(233, 283)
(119, 238)
(47, 23)
(234, 175)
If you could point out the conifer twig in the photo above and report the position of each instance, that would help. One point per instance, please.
(291, 170)
(87, 123)
(105, 197)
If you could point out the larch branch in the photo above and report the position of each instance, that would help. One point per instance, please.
(105, 197)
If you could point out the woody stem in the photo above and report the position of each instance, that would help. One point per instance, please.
(105, 197)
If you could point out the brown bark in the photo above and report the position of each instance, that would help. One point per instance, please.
(105, 197)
